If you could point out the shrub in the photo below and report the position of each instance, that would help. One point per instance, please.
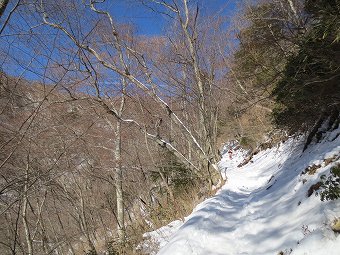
(111, 249)
(330, 187)
(247, 143)
(178, 176)
(91, 252)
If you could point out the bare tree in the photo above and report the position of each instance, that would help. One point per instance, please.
(147, 84)
(104, 90)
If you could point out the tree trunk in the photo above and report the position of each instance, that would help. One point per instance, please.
(292, 7)
(84, 224)
(24, 213)
(119, 185)
(204, 91)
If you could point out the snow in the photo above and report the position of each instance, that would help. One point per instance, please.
(263, 207)
(159, 238)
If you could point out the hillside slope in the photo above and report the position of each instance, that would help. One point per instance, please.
(263, 208)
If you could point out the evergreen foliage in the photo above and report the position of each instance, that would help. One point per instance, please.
(247, 143)
(110, 249)
(177, 175)
(91, 252)
(310, 87)
(268, 36)
(331, 185)
(264, 45)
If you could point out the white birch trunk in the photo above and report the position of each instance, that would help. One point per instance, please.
(119, 185)
(24, 213)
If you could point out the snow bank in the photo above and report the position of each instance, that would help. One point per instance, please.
(159, 238)
(263, 208)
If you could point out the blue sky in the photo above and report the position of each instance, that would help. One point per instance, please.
(152, 23)
(147, 23)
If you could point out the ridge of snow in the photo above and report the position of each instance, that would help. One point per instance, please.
(263, 208)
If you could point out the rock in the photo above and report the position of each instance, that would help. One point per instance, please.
(336, 226)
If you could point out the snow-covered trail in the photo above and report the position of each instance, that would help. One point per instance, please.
(263, 208)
